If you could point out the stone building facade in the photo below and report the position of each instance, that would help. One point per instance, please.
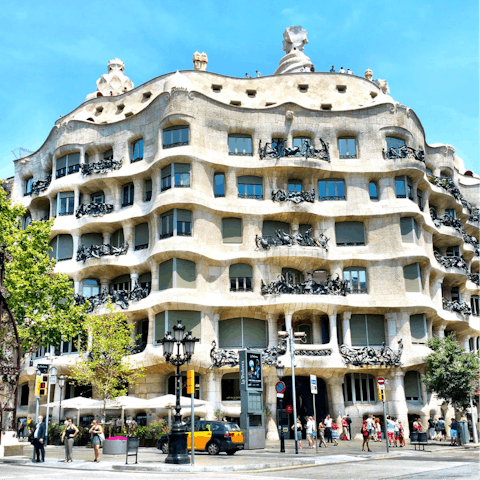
(305, 200)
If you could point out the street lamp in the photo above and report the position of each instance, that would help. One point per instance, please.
(61, 384)
(177, 451)
(280, 373)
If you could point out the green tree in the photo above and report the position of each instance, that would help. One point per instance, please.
(451, 372)
(105, 365)
(41, 301)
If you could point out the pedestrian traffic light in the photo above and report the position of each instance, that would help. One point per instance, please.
(381, 394)
(38, 380)
(43, 385)
(190, 382)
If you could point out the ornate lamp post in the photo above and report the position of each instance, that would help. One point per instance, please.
(280, 373)
(61, 384)
(177, 451)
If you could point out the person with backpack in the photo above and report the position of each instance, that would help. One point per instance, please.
(365, 435)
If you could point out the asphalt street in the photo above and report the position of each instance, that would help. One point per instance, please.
(453, 465)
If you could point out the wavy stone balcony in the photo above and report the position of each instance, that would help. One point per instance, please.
(285, 239)
(102, 166)
(404, 152)
(278, 150)
(308, 287)
(97, 251)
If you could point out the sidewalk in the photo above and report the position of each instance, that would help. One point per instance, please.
(151, 459)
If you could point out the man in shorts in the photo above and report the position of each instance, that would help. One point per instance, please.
(454, 440)
(390, 430)
(396, 432)
(310, 428)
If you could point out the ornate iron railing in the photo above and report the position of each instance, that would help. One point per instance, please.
(279, 150)
(138, 348)
(175, 144)
(449, 185)
(41, 185)
(446, 220)
(404, 152)
(94, 209)
(473, 277)
(279, 195)
(455, 306)
(97, 251)
(282, 238)
(360, 356)
(283, 285)
(119, 297)
(474, 216)
(102, 166)
(448, 262)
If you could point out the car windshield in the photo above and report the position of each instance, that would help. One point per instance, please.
(232, 427)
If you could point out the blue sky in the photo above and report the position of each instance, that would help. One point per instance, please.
(53, 52)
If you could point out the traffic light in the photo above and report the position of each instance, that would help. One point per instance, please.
(43, 385)
(38, 380)
(190, 382)
(381, 394)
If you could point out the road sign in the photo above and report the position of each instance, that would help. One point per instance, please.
(313, 384)
(280, 387)
(52, 379)
(289, 409)
(381, 381)
(42, 368)
(280, 395)
(381, 387)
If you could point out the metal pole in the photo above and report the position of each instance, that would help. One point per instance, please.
(282, 436)
(315, 421)
(48, 407)
(474, 427)
(59, 415)
(192, 420)
(385, 421)
(294, 392)
(37, 411)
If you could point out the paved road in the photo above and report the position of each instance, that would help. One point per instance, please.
(455, 465)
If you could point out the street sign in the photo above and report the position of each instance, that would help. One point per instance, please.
(52, 379)
(280, 395)
(280, 387)
(381, 381)
(381, 387)
(42, 368)
(289, 409)
(313, 384)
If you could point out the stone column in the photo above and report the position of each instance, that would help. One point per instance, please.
(425, 412)
(391, 329)
(133, 280)
(429, 328)
(76, 243)
(231, 189)
(294, 227)
(270, 380)
(129, 234)
(77, 287)
(272, 329)
(211, 386)
(439, 331)
(151, 328)
(138, 187)
(154, 271)
(465, 343)
(395, 397)
(336, 401)
(316, 330)
(333, 332)
(288, 321)
(156, 227)
(107, 236)
(76, 199)
(347, 334)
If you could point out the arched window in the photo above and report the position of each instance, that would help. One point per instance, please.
(241, 278)
(356, 278)
(26, 221)
(242, 333)
(413, 390)
(231, 387)
(62, 247)
(28, 186)
(394, 142)
(359, 388)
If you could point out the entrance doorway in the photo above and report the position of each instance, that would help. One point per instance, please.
(304, 403)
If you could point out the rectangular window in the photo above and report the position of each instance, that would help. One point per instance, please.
(356, 278)
(185, 273)
(68, 164)
(331, 189)
(190, 319)
(373, 191)
(411, 274)
(182, 174)
(219, 180)
(455, 294)
(184, 223)
(453, 251)
(239, 144)
(347, 147)
(250, 187)
(166, 177)
(28, 186)
(409, 229)
(166, 224)
(241, 278)
(404, 187)
(98, 197)
(393, 142)
(367, 330)
(412, 386)
(420, 199)
(165, 275)
(418, 328)
(232, 230)
(141, 236)
(475, 305)
(301, 142)
(451, 212)
(137, 150)
(242, 333)
(108, 155)
(128, 191)
(294, 185)
(350, 233)
(175, 136)
(148, 190)
(66, 202)
(359, 388)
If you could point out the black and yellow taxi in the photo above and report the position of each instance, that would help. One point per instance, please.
(212, 437)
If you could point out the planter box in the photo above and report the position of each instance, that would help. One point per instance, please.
(114, 447)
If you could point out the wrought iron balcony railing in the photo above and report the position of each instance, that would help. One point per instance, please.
(41, 185)
(404, 152)
(94, 209)
(474, 216)
(282, 238)
(360, 356)
(119, 297)
(102, 166)
(279, 150)
(283, 285)
(449, 262)
(295, 197)
(97, 251)
(446, 220)
(449, 185)
(473, 277)
(455, 306)
(138, 348)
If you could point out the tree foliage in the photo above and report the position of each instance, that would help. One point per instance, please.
(41, 301)
(451, 372)
(106, 366)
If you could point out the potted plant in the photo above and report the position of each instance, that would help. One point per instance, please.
(115, 445)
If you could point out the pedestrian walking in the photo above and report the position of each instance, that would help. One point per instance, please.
(349, 423)
(39, 435)
(310, 429)
(390, 430)
(401, 434)
(443, 430)
(371, 427)
(321, 435)
(365, 436)
(299, 432)
(454, 440)
(335, 434)
(344, 428)
(328, 429)
(96, 431)
(431, 427)
(378, 430)
(68, 437)
(396, 432)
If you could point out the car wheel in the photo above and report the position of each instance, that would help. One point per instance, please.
(165, 448)
(231, 452)
(213, 448)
